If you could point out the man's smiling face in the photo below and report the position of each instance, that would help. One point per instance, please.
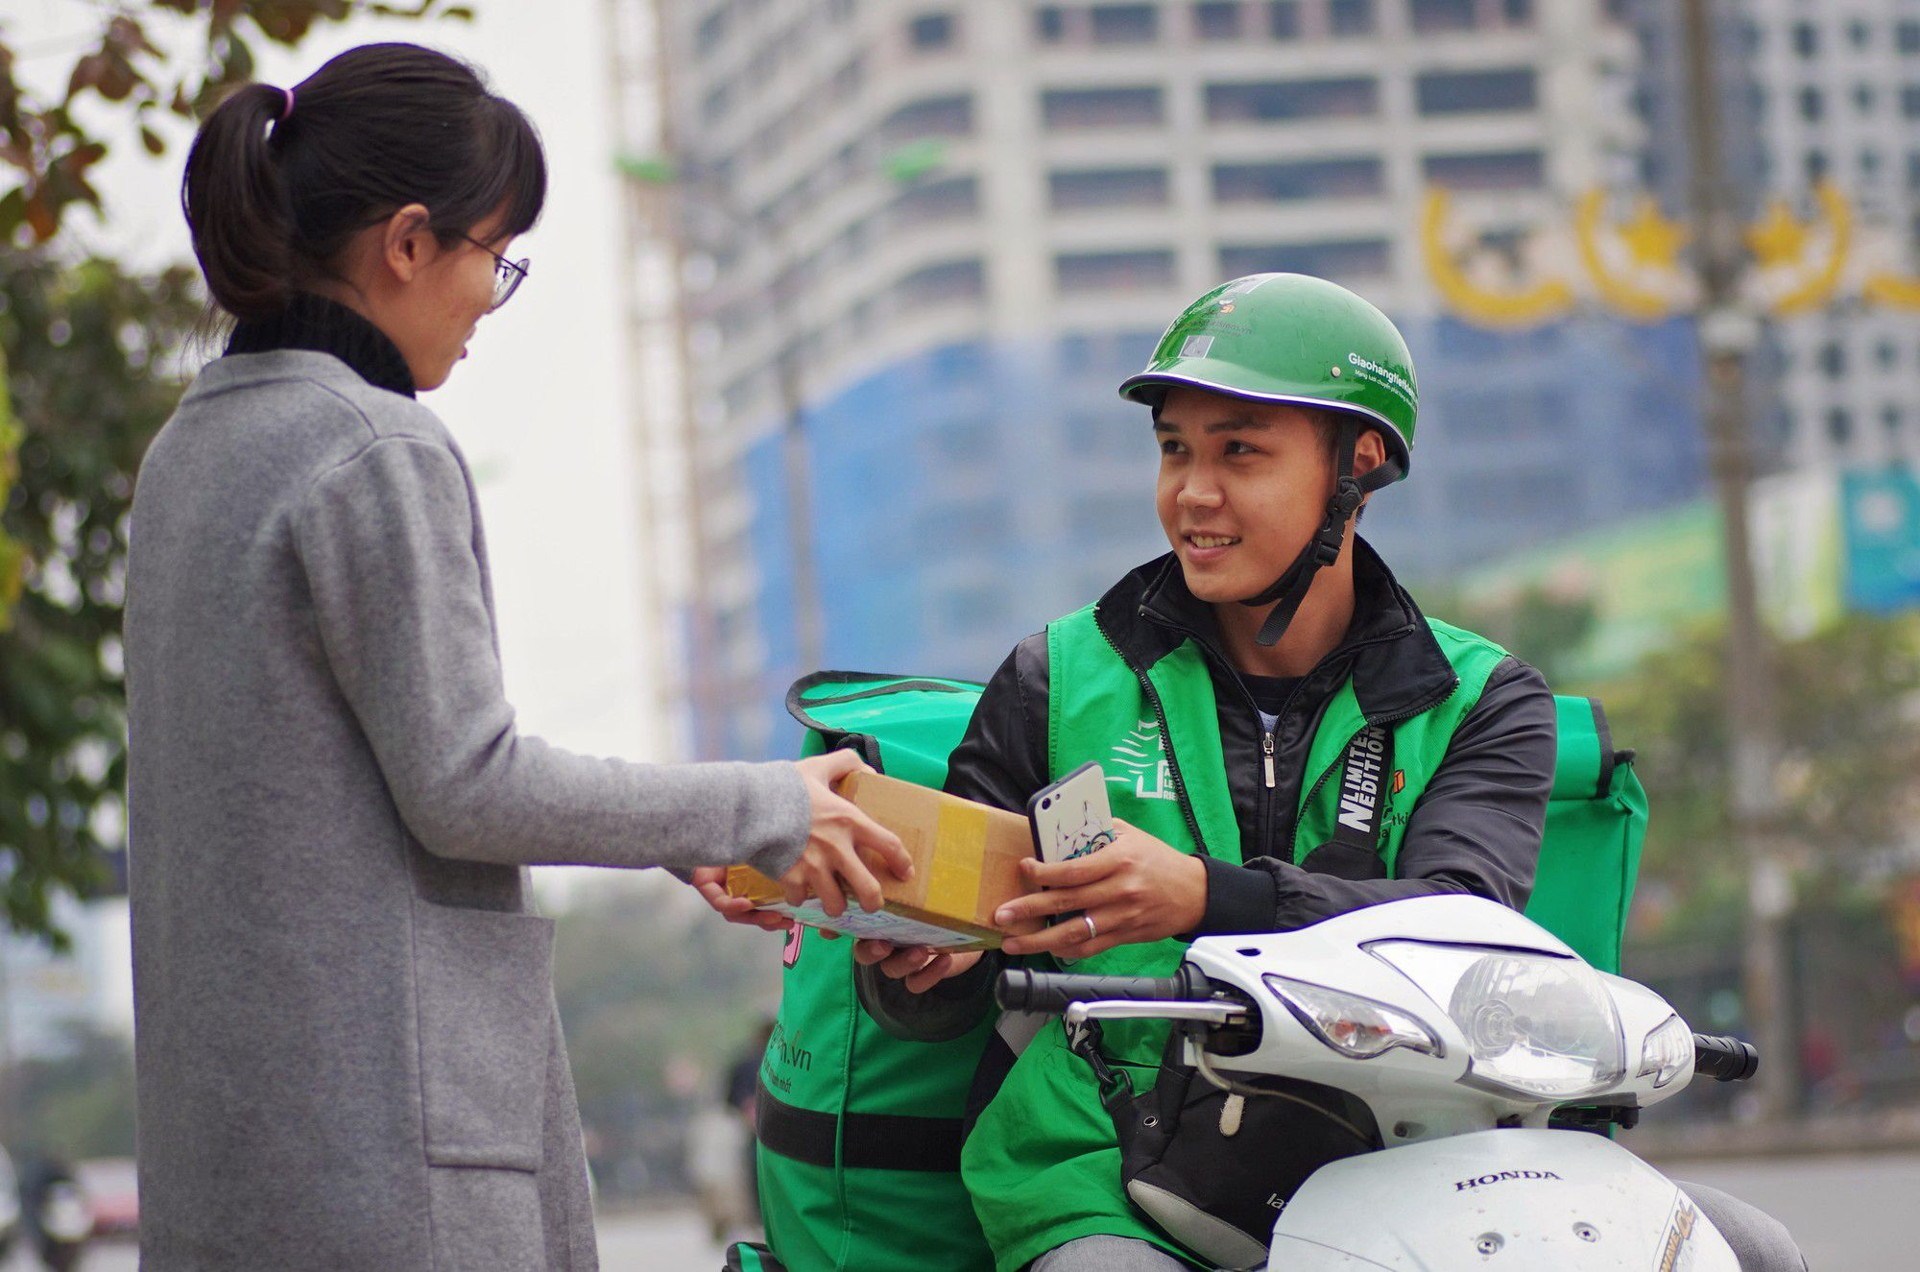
(1243, 486)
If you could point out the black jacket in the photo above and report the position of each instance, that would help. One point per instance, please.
(1476, 829)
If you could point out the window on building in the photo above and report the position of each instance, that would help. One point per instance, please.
(1860, 33)
(1806, 39)
(943, 283)
(1293, 99)
(1125, 23)
(1832, 359)
(1869, 162)
(1049, 24)
(931, 31)
(1077, 273)
(716, 104)
(1890, 418)
(1840, 425)
(1107, 188)
(1886, 354)
(954, 198)
(1213, 20)
(1101, 518)
(1907, 36)
(1472, 92)
(1816, 165)
(1863, 98)
(1431, 17)
(929, 117)
(847, 80)
(1487, 170)
(1913, 172)
(1910, 101)
(1350, 17)
(1283, 19)
(1349, 258)
(1517, 12)
(1068, 108)
(1302, 179)
(970, 610)
(1813, 104)
(712, 31)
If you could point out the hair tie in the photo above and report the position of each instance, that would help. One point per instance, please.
(288, 110)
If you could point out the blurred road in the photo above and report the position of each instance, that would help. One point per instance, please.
(1848, 1213)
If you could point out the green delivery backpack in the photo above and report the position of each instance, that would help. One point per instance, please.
(859, 1131)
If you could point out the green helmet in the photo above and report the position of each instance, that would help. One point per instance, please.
(1291, 338)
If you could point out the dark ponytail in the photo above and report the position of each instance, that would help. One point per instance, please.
(276, 187)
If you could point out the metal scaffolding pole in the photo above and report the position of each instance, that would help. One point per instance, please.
(1729, 329)
(674, 552)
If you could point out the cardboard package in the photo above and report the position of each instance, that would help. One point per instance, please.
(966, 864)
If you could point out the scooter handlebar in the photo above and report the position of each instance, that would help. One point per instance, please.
(1019, 989)
(1724, 1059)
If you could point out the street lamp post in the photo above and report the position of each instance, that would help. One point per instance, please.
(1729, 329)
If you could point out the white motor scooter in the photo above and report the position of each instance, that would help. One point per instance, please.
(1488, 1053)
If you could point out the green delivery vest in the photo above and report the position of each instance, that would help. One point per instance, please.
(1042, 1164)
(859, 1152)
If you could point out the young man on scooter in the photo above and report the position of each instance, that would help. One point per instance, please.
(1285, 736)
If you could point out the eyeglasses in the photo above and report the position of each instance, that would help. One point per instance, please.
(507, 275)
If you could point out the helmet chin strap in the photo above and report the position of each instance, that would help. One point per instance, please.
(1323, 549)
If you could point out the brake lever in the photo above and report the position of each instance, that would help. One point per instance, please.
(1208, 1013)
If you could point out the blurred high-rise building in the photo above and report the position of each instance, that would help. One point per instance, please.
(1810, 93)
(927, 240)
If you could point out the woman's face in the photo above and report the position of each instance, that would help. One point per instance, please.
(428, 296)
(451, 293)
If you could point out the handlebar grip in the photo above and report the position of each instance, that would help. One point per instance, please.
(1724, 1059)
(1020, 989)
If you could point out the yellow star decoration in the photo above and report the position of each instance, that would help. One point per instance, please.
(1651, 239)
(1780, 239)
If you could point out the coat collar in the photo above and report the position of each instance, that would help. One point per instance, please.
(1397, 666)
(325, 326)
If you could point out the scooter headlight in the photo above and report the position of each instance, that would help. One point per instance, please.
(1668, 1052)
(1352, 1025)
(1536, 1024)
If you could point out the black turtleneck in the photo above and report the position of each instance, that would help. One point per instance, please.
(327, 326)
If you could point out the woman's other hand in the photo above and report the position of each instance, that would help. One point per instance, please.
(711, 883)
(830, 866)
(920, 966)
(1135, 889)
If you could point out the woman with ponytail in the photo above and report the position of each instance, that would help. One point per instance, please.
(348, 1053)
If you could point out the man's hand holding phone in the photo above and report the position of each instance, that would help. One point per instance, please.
(1135, 889)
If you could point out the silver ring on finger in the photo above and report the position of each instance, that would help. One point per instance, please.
(1088, 920)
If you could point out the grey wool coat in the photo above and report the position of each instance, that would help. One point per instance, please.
(347, 1049)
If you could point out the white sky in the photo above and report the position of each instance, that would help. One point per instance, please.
(538, 405)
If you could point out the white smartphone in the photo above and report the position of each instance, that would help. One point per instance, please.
(1071, 818)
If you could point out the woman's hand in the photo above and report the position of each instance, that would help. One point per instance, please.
(920, 966)
(830, 865)
(1135, 889)
(711, 883)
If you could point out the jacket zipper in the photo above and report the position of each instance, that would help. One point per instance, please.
(1267, 740)
(1166, 739)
